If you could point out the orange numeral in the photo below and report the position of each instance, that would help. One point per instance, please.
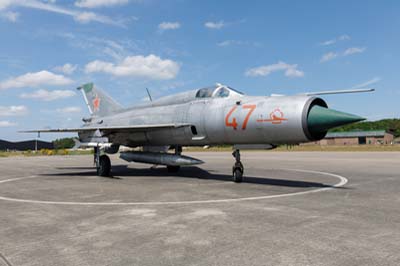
(234, 123)
(251, 108)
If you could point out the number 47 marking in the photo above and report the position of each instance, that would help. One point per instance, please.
(234, 124)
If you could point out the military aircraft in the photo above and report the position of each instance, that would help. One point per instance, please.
(208, 116)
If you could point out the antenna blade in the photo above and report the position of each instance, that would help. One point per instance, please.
(148, 93)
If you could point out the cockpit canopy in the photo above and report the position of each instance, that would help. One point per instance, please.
(218, 91)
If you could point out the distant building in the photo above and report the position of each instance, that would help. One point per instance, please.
(358, 138)
(24, 145)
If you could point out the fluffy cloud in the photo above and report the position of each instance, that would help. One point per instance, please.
(332, 55)
(45, 95)
(68, 110)
(354, 50)
(35, 79)
(237, 42)
(290, 70)
(10, 16)
(215, 25)
(328, 56)
(67, 69)
(169, 26)
(99, 3)
(5, 3)
(366, 83)
(150, 67)
(14, 110)
(335, 40)
(82, 17)
(7, 124)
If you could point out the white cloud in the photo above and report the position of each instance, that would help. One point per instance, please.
(329, 42)
(79, 16)
(215, 25)
(68, 110)
(332, 55)
(99, 3)
(67, 69)
(7, 124)
(35, 79)
(237, 42)
(227, 43)
(169, 26)
(335, 40)
(366, 83)
(5, 3)
(10, 16)
(354, 50)
(14, 110)
(328, 56)
(344, 37)
(150, 67)
(290, 70)
(100, 46)
(45, 95)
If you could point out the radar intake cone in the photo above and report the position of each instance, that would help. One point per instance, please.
(321, 119)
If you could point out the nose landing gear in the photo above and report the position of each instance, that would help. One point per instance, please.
(237, 169)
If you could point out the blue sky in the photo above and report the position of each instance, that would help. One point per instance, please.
(50, 47)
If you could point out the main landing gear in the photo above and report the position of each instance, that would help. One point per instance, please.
(237, 169)
(102, 162)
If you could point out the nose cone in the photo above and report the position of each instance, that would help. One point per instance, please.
(321, 119)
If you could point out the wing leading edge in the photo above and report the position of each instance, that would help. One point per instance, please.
(108, 128)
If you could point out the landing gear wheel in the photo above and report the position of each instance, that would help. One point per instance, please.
(104, 166)
(237, 169)
(237, 175)
(173, 168)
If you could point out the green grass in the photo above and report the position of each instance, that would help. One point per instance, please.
(44, 153)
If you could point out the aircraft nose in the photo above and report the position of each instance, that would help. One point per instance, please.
(321, 119)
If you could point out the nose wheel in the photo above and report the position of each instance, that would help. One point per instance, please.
(237, 169)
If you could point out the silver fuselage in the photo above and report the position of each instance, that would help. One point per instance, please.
(237, 119)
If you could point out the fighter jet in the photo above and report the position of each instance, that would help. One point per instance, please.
(217, 115)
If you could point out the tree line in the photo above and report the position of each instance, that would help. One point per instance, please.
(390, 125)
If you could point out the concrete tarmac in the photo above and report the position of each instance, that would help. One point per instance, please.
(298, 208)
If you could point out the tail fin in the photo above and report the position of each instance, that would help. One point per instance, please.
(98, 102)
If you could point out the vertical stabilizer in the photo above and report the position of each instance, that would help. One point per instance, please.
(98, 102)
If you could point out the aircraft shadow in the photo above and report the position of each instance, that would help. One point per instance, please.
(120, 171)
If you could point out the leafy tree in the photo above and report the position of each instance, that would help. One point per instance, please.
(391, 125)
(64, 143)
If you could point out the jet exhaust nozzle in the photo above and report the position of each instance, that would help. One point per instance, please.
(321, 119)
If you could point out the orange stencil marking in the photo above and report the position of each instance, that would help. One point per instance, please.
(251, 108)
(234, 123)
(276, 117)
(96, 103)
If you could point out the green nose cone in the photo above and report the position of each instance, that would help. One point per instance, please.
(321, 119)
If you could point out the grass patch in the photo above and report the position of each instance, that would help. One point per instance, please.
(45, 152)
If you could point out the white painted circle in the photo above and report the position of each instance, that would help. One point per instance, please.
(341, 183)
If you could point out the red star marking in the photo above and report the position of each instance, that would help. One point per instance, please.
(96, 103)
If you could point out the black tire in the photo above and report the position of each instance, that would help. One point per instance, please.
(173, 168)
(104, 168)
(237, 175)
